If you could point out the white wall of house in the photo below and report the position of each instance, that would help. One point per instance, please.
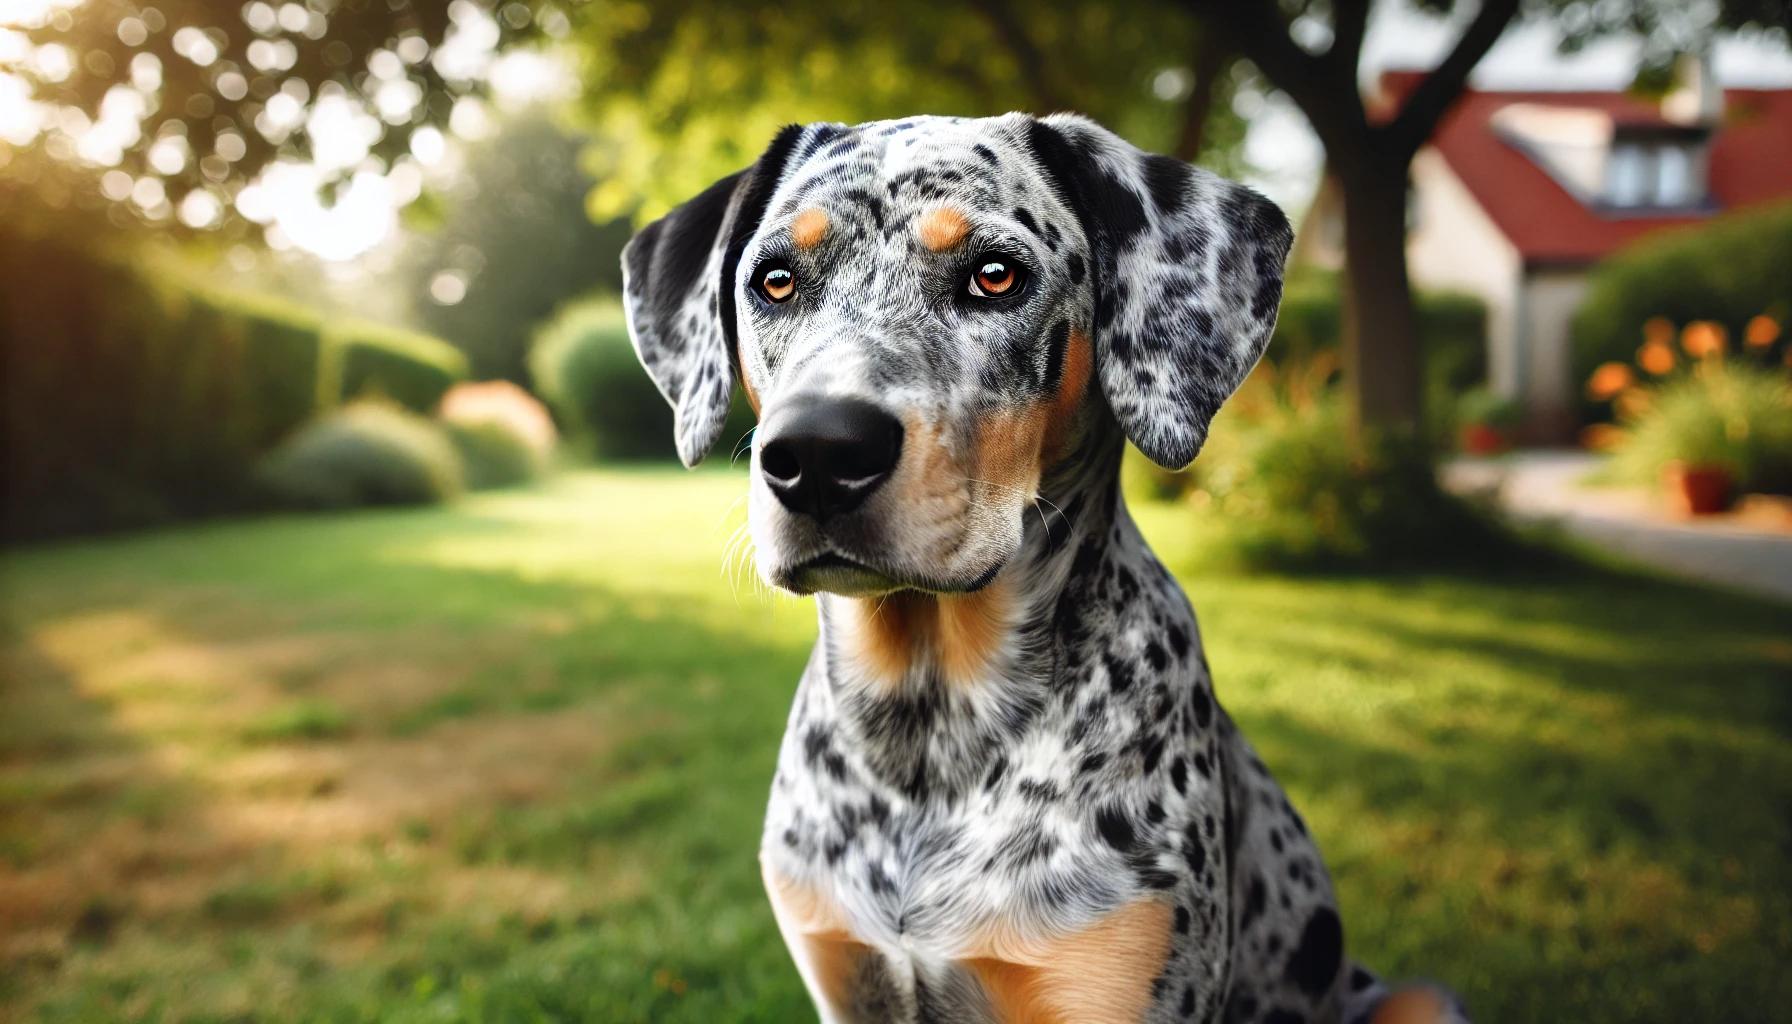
(1548, 387)
(1454, 245)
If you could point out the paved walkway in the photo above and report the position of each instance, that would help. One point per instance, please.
(1542, 487)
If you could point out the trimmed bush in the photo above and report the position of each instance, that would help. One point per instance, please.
(1452, 331)
(583, 364)
(1727, 270)
(130, 397)
(412, 369)
(505, 436)
(1293, 488)
(1729, 414)
(365, 453)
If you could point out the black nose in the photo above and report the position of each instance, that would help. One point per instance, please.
(824, 456)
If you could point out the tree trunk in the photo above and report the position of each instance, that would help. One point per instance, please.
(1383, 360)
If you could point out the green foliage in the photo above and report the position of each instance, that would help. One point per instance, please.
(517, 232)
(685, 91)
(1728, 271)
(1730, 414)
(131, 397)
(411, 369)
(1291, 487)
(367, 453)
(1452, 331)
(493, 455)
(585, 367)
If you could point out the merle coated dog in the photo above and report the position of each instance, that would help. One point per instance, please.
(1007, 792)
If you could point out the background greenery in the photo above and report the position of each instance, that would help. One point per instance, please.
(1727, 271)
(506, 760)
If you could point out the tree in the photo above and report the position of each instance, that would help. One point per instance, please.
(1370, 157)
(170, 110)
(685, 91)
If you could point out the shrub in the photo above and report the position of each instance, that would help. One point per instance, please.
(412, 369)
(1452, 333)
(1724, 413)
(505, 436)
(1293, 487)
(583, 364)
(130, 397)
(1727, 271)
(366, 453)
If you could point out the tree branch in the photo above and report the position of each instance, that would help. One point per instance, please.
(1211, 60)
(1255, 29)
(1350, 19)
(1420, 114)
(1007, 26)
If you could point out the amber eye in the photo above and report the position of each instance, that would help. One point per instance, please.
(776, 282)
(995, 276)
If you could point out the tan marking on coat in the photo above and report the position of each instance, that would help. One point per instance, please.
(828, 956)
(1009, 444)
(960, 634)
(1100, 975)
(809, 227)
(942, 228)
(1073, 384)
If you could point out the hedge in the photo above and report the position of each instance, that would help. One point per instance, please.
(1729, 270)
(583, 364)
(412, 369)
(133, 395)
(1452, 331)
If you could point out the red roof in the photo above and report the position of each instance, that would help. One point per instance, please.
(1751, 163)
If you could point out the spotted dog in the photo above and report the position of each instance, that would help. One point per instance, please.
(1007, 792)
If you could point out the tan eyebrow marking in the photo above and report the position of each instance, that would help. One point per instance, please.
(943, 227)
(809, 227)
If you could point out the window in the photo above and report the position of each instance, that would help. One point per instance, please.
(1673, 176)
(1626, 176)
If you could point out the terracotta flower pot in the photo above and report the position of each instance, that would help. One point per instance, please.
(1697, 490)
(1481, 439)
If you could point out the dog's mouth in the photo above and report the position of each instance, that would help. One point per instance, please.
(835, 573)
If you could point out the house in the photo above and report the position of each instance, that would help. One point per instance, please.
(1518, 194)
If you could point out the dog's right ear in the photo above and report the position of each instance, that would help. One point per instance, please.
(677, 289)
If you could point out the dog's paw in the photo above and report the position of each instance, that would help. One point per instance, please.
(1420, 1004)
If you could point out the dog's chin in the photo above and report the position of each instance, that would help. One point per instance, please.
(837, 574)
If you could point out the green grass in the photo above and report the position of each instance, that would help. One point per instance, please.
(506, 762)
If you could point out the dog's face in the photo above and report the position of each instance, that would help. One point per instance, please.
(928, 314)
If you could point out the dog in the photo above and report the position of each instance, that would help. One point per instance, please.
(1007, 792)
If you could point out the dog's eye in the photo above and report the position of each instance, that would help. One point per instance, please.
(775, 281)
(995, 275)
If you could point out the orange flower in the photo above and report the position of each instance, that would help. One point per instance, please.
(1633, 403)
(1608, 380)
(1761, 332)
(1658, 330)
(1601, 437)
(1657, 357)
(1703, 338)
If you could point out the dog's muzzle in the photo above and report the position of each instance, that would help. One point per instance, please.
(822, 457)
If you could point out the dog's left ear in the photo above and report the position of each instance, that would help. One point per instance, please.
(1187, 279)
(677, 290)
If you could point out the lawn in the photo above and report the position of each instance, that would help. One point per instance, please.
(506, 761)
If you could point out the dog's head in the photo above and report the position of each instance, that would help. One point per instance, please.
(928, 313)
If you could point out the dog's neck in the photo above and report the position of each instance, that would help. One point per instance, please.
(930, 684)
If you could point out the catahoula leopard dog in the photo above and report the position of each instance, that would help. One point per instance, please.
(1007, 792)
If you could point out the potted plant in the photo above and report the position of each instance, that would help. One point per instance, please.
(1706, 428)
(1488, 422)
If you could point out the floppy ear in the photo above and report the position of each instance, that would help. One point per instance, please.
(1187, 279)
(678, 293)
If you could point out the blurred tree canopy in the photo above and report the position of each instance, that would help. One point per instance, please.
(686, 91)
(514, 243)
(173, 107)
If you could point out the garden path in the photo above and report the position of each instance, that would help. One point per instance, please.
(1743, 551)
